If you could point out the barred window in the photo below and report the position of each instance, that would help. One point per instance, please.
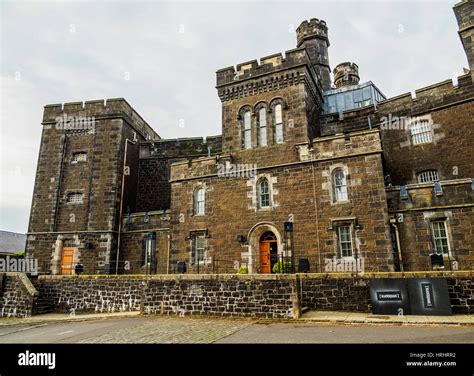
(247, 139)
(263, 192)
(440, 237)
(340, 186)
(199, 201)
(278, 125)
(345, 240)
(75, 198)
(428, 176)
(79, 157)
(262, 127)
(421, 132)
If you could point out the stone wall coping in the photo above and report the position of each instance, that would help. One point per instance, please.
(368, 275)
(179, 277)
(266, 277)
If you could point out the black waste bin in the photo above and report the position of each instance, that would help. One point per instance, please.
(181, 267)
(437, 261)
(303, 265)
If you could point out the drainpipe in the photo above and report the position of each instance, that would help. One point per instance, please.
(122, 189)
(316, 214)
(168, 253)
(397, 236)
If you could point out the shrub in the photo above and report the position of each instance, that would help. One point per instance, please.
(282, 267)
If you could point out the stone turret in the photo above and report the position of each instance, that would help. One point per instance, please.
(346, 74)
(313, 35)
(464, 12)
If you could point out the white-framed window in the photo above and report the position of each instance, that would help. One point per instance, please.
(339, 182)
(428, 176)
(421, 132)
(199, 248)
(75, 198)
(199, 201)
(278, 124)
(344, 237)
(440, 237)
(79, 157)
(247, 137)
(263, 193)
(262, 127)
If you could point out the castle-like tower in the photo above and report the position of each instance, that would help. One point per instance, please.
(313, 36)
(346, 74)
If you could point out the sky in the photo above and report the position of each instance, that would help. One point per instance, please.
(162, 58)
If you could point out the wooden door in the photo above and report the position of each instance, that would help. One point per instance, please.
(66, 260)
(265, 257)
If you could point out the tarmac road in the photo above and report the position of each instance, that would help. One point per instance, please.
(210, 330)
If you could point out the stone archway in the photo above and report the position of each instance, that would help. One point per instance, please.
(253, 237)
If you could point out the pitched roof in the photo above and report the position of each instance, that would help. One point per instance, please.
(12, 242)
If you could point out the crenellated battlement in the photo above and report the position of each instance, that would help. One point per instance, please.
(442, 93)
(313, 28)
(98, 109)
(268, 64)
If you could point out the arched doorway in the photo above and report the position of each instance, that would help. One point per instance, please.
(265, 243)
(268, 252)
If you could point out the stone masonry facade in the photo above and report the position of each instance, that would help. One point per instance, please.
(383, 184)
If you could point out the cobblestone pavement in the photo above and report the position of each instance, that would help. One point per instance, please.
(173, 330)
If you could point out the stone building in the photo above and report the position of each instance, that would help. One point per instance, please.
(363, 180)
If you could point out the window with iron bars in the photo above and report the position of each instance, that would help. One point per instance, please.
(79, 157)
(428, 176)
(75, 198)
(421, 132)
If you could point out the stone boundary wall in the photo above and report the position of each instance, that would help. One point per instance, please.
(225, 295)
(265, 296)
(217, 294)
(346, 292)
(17, 295)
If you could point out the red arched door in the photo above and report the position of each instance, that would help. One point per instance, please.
(268, 247)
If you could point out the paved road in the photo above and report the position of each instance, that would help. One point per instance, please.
(200, 330)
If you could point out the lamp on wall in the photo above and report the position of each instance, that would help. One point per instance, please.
(438, 188)
(241, 238)
(403, 192)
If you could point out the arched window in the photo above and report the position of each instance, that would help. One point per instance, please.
(247, 131)
(339, 186)
(262, 127)
(199, 201)
(278, 119)
(427, 176)
(263, 193)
